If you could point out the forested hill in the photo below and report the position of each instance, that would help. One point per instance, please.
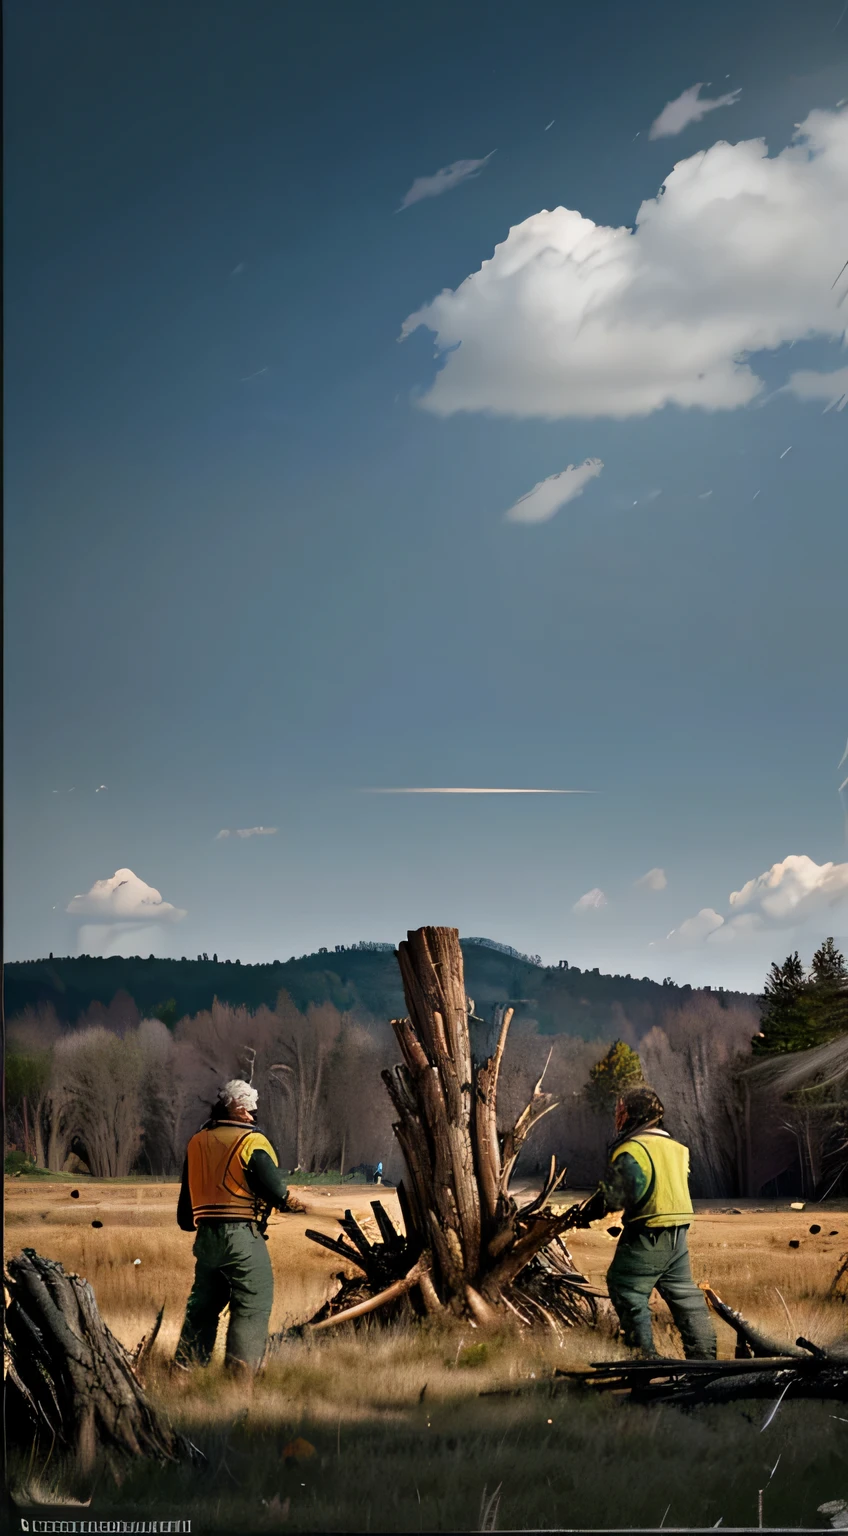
(561, 1000)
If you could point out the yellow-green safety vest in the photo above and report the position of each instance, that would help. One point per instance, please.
(666, 1202)
(217, 1159)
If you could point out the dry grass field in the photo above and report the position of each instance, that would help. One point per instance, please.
(402, 1438)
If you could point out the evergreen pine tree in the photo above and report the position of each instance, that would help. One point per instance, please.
(619, 1070)
(786, 1021)
(829, 992)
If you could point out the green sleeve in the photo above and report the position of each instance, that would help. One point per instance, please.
(265, 1179)
(624, 1183)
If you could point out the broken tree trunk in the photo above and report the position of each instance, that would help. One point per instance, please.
(71, 1386)
(468, 1249)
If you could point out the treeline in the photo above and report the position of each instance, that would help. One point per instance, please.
(364, 980)
(762, 1109)
(121, 1093)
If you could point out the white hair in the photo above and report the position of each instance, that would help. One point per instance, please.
(237, 1091)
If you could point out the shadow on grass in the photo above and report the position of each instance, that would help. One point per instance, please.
(559, 1462)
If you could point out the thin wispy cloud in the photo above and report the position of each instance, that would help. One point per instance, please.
(654, 880)
(592, 901)
(546, 498)
(444, 180)
(246, 832)
(475, 791)
(688, 107)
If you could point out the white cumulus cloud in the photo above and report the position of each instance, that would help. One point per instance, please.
(546, 498)
(689, 107)
(246, 832)
(569, 318)
(832, 387)
(442, 181)
(792, 891)
(591, 901)
(654, 880)
(693, 931)
(124, 899)
(785, 896)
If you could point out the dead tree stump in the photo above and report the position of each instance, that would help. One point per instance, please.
(72, 1387)
(468, 1249)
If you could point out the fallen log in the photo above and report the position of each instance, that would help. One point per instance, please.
(476, 1254)
(72, 1387)
(800, 1370)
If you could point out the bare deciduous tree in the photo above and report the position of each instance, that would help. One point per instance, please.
(98, 1077)
(305, 1045)
(692, 1063)
(162, 1091)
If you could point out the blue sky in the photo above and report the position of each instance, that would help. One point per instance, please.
(258, 555)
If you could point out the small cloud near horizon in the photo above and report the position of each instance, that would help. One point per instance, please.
(688, 107)
(246, 832)
(124, 899)
(592, 901)
(786, 896)
(443, 180)
(546, 498)
(654, 880)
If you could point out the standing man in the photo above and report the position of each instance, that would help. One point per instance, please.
(231, 1182)
(648, 1179)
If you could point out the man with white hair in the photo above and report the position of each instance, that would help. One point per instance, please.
(231, 1181)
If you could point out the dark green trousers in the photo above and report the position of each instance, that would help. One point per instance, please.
(233, 1269)
(657, 1258)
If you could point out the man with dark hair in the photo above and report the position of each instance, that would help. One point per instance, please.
(647, 1178)
(231, 1182)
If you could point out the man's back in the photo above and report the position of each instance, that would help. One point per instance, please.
(649, 1175)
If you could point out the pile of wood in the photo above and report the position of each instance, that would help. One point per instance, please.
(72, 1388)
(467, 1249)
(761, 1368)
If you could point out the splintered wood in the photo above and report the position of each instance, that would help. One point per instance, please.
(468, 1249)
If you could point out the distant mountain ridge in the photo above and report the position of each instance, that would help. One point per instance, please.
(562, 999)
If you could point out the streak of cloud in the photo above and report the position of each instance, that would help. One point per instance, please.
(475, 791)
(444, 180)
(688, 107)
(546, 497)
(592, 901)
(246, 832)
(551, 124)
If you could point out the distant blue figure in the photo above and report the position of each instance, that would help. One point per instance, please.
(378, 1174)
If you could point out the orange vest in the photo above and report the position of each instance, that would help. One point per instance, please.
(217, 1158)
